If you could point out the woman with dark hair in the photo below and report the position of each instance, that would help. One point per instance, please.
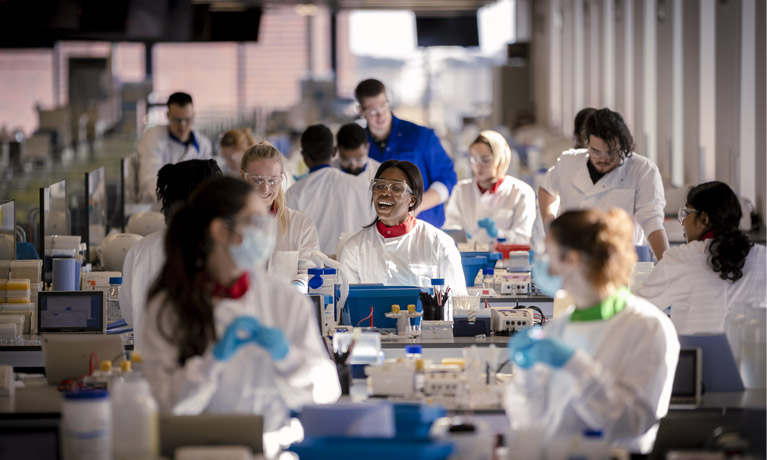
(718, 267)
(220, 335)
(606, 174)
(612, 367)
(396, 249)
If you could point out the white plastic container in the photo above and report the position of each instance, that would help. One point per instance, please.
(134, 419)
(86, 426)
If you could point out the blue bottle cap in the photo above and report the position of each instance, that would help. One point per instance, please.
(592, 433)
(314, 271)
(329, 271)
(501, 240)
(488, 271)
(86, 394)
(116, 280)
(437, 281)
(413, 349)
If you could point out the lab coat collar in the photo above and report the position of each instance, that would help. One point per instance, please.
(604, 310)
(318, 167)
(235, 291)
(613, 179)
(493, 189)
(707, 236)
(396, 230)
(192, 140)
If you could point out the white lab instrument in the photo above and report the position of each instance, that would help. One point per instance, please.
(113, 249)
(404, 328)
(392, 378)
(436, 330)
(144, 223)
(443, 380)
(507, 320)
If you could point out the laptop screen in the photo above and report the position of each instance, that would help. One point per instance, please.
(70, 311)
(686, 372)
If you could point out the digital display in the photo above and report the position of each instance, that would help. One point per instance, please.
(70, 311)
(684, 380)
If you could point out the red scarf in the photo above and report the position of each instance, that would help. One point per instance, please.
(235, 291)
(396, 230)
(707, 236)
(492, 189)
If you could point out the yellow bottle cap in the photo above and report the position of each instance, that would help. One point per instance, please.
(125, 366)
(106, 366)
(419, 364)
(456, 361)
(411, 308)
(395, 308)
(135, 357)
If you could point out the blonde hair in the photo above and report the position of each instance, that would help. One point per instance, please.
(499, 147)
(606, 239)
(266, 151)
(238, 138)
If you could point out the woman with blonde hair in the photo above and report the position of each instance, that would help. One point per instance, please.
(492, 205)
(263, 166)
(612, 368)
(234, 143)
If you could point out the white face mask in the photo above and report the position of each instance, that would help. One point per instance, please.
(257, 245)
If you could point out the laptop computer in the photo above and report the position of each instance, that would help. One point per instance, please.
(720, 372)
(68, 356)
(210, 430)
(71, 312)
(688, 381)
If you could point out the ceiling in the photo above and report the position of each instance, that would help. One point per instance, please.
(415, 5)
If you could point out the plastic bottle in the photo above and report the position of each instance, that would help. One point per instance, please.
(134, 420)
(488, 278)
(113, 300)
(135, 360)
(414, 352)
(753, 349)
(86, 418)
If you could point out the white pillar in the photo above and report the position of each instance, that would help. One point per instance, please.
(608, 53)
(555, 63)
(628, 61)
(677, 94)
(579, 87)
(650, 81)
(707, 90)
(747, 167)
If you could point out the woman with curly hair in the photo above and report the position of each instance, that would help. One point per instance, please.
(718, 267)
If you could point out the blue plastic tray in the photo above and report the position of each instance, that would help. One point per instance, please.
(381, 298)
(371, 449)
(472, 266)
(492, 257)
(413, 420)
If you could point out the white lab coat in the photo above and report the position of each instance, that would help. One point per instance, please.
(156, 149)
(412, 259)
(699, 299)
(635, 186)
(367, 175)
(250, 381)
(618, 381)
(300, 239)
(512, 207)
(337, 202)
(141, 267)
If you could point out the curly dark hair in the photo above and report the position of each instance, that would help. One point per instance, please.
(730, 246)
(610, 127)
(579, 139)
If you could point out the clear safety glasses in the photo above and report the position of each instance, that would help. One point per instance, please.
(609, 154)
(481, 160)
(353, 162)
(395, 187)
(684, 212)
(258, 181)
(375, 111)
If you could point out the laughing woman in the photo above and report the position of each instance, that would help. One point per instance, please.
(396, 249)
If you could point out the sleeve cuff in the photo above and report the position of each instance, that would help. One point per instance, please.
(441, 189)
(653, 226)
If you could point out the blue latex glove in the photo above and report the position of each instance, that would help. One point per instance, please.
(241, 331)
(529, 347)
(489, 225)
(273, 341)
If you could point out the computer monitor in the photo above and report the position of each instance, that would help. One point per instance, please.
(7, 230)
(687, 388)
(70, 311)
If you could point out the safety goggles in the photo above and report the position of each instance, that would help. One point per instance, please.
(684, 212)
(182, 121)
(353, 162)
(609, 154)
(481, 160)
(258, 181)
(374, 111)
(395, 187)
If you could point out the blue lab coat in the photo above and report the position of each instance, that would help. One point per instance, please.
(418, 144)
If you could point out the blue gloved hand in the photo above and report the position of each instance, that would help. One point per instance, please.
(239, 332)
(489, 225)
(529, 347)
(273, 341)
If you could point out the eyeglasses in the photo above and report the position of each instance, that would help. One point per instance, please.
(353, 161)
(597, 153)
(395, 187)
(375, 111)
(179, 121)
(684, 212)
(481, 160)
(258, 181)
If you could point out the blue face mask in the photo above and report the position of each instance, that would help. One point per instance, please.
(256, 247)
(547, 284)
